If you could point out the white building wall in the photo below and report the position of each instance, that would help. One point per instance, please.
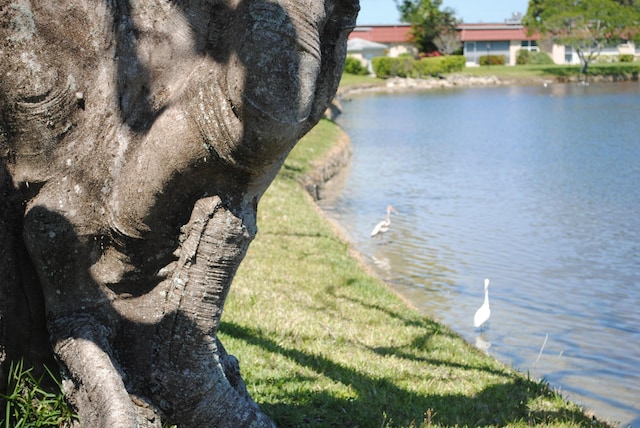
(558, 54)
(566, 55)
(627, 48)
(365, 56)
(395, 50)
(514, 47)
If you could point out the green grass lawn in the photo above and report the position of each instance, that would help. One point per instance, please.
(353, 80)
(506, 72)
(552, 71)
(322, 343)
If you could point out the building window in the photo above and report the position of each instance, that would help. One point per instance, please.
(529, 45)
(496, 48)
(568, 54)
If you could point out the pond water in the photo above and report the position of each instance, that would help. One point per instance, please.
(537, 189)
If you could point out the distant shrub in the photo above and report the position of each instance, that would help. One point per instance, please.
(453, 63)
(540, 58)
(427, 67)
(352, 65)
(384, 66)
(429, 54)
(611, 59)
(406, 66)
(606, 59)
(492, 60)
(522, 57)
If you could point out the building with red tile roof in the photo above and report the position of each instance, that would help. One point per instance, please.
(398, 38)
(480, 39)
(504, 39)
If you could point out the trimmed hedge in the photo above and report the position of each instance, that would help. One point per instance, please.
(533, 58)
(492, 60)
(384, 66)
(405, 66)
(352, 65)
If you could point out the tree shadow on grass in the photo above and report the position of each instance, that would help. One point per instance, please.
(619, 72)
(377, 401)
(428, 326)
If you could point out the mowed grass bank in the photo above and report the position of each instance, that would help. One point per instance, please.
(560, 73)
(321, 343)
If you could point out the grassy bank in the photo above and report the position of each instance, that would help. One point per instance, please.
(557, 72)
(349, 80)
(322, 343)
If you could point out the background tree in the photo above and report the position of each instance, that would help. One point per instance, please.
(428, 23)
(448, 41)
(587, 26)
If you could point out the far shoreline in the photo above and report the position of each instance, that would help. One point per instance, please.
(402, 84)
(460, 80)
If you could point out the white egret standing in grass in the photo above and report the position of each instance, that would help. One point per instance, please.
(484, 312)
(383, 226)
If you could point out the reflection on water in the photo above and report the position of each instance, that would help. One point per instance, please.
(537, 189)
(482, 343)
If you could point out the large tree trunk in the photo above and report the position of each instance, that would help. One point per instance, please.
(136, 139)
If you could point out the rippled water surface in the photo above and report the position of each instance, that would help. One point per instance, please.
(536, 188)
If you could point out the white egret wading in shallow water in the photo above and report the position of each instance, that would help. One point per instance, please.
(383, 226)
(484, 312)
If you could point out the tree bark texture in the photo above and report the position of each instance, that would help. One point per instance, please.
(136, 139)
